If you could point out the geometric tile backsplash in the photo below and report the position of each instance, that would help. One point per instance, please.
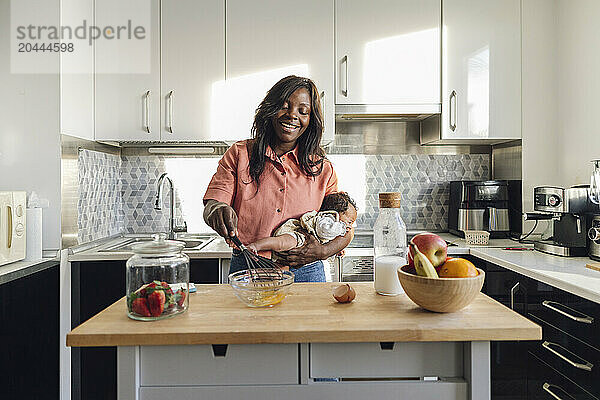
(139, 177)
(99, 204)
(423, 180)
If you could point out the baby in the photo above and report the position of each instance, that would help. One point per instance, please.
(335, 218)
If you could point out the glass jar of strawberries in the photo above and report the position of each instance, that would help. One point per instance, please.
(158, 277)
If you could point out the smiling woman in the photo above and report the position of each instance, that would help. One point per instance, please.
(290, 108)
(280, 173)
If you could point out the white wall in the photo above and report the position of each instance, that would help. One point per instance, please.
(539, 98)
(29, 132)
(561, 93)
(578, 60)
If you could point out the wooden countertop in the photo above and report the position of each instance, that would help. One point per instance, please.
(308, 315)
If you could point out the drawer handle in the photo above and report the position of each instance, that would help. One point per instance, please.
(546, 386)
(586, 319)
(512, 295)
(386, 345)
(219, 350)
(586, 365)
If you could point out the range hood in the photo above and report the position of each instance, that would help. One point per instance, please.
(386, 112)
(157, 143)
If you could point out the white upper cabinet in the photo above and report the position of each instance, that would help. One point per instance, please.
(193, 66)
(388, 52)
(128, 71)
(481, 70)
(267, 41)
(77, 74)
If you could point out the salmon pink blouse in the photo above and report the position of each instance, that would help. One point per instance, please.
(285, 191)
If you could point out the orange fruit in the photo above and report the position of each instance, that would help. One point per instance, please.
(457, 268)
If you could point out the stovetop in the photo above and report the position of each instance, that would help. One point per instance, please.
(362, 239)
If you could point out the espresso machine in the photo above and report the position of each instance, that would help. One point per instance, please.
(570, 210)
(594, 232)
(594, 236)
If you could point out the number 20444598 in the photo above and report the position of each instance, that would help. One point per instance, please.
(56, 47)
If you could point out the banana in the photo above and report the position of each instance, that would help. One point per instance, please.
(423, 266)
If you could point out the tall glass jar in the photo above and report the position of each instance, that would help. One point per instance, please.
(390, 244)
(157, 279)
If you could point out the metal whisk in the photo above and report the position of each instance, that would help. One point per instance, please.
(260, 269)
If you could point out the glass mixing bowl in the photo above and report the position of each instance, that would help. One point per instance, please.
(260, 294)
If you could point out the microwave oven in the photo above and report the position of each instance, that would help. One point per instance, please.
(12, 227)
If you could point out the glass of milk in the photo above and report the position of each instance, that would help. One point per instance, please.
(390, 244)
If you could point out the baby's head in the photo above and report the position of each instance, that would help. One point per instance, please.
(343, 204)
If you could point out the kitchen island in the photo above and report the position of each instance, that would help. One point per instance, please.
(306, 347)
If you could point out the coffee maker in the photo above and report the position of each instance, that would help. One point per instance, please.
(569, 209)
(493, 206)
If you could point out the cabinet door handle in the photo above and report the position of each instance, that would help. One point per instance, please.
(9, 227)
(586, 319)
(585, 365)
(147, 111)
(452, 111)
(345, 62)
(170, 111)
(547, 387)
(512, 295)
(323, 107)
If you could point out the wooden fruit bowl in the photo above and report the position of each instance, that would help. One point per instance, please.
(441, 294)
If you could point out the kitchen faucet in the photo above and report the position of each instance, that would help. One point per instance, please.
(158, 205)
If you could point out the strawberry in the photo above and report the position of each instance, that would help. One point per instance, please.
(180, 295)
(156, 302)
(140, 307)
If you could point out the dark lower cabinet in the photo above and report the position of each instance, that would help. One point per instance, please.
(570, 344)
(204, 271)
(29, 333)
(573, 358)
(545, 383)
(508, 364)
(95, 286)
(565, 364)
(567, 312)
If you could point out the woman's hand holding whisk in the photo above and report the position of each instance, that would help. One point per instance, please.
(222, 218)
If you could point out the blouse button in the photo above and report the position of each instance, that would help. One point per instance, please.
(279, 210)
(283, 173)
(281, 190)
(282, 158)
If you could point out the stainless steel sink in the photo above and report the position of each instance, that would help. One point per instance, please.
(194, 240)
(191, 241)
(125, 245)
